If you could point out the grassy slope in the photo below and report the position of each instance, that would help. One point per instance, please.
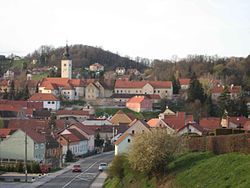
(208, 170)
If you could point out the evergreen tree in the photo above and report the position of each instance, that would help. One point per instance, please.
(225, 103)
(52, 121)
(5, 94)
(195, 90)
(243, 111)
(98, 141)
(69, 156)
(11, 94)
(176, 85)
(26, 93)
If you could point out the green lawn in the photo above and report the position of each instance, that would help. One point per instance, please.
(209, 170)
(40, 76)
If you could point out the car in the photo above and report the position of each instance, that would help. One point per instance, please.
(77, 168)
(103, 166)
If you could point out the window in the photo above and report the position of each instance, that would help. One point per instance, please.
(136, 91)
(75, 93)
(158, 91)
(154, 91)
(142, 131)
(133, 132)
(36, 146)
(166, 91)
(53, 102)
(128, 140)
(117, 91)
(121, 91)
(42, 146)
(68, 92)
(65, 64)
(48, 102)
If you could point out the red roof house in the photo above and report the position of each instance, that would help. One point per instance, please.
(139, 104)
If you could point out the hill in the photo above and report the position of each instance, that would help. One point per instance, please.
(198, 169)
(83, 56)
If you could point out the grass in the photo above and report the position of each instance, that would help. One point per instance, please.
(112, 111)
(209, 170)
(40, 76)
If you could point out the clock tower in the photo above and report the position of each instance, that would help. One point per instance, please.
(66, 64)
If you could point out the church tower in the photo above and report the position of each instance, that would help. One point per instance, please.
(66, 64)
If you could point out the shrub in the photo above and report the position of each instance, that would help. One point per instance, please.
(151, 151)
(117, 169)
(69, 156)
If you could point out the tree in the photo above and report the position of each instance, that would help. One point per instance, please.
(52, 121)
(195, 90)
(69, 156)
(11, 94)
(25, 92)
(5, 94)
(98, 141)
(151, 151)
(243, 111)
(224, 102)
(210, 108)
(176, 85)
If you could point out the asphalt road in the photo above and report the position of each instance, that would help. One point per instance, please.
(71, 179)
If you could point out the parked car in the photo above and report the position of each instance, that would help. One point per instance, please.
(103, 166)
(77, 168)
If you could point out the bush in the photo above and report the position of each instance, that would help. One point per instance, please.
(117, 167)
(19, 167)
(151, 151)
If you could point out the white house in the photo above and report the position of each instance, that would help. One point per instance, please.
(50, 101)
(123, 143)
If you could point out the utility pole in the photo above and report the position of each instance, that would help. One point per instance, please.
(25, 158)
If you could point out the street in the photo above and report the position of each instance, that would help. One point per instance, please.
(71, 179)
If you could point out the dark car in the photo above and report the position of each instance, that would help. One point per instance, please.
(77, 168)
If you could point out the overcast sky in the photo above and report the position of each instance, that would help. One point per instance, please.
(145, 28)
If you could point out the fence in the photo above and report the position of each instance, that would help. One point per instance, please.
(221, 144)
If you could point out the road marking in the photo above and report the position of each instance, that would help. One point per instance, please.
(80, 174)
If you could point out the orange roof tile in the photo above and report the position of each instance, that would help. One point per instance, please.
(140, 84)
(122, 137)
(184, 81)
(43, 97)
(210, 123)
(137, 99)
(233, 89)
(4, 132)
(153, 122)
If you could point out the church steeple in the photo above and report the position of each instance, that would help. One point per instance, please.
(66, 54)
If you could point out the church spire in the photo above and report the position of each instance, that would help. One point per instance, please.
(66, 54)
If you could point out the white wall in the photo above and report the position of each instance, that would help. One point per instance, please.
(53, 105)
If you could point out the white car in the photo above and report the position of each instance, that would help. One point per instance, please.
(103, 166)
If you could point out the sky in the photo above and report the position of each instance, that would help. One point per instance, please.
(154, 29)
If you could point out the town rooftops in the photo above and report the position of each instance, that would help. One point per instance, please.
(43, 97)
(54, 83)
(4, 132)
(231, 89)
(141, 84)
(73, 112)
(210, 123)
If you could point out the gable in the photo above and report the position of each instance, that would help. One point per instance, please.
(137, 128)
(120, 118)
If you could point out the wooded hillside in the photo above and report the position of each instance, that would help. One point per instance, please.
(83, 56)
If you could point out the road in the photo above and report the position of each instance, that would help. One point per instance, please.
(84, 179)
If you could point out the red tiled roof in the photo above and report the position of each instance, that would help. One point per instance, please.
(210, 123)
(4, 132)
(137, 99)
(140, 84)
(83, 128)
(247, 125)
(71, 137)
(153, 122)
(195, 125)
(184, 81)
(15, 103)
(53, 83)
(238, 120)
(73, 112)
(178, 120)
(122, 137)
(43, 97)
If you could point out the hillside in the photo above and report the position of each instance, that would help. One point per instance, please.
(195, 170)
(83, 56)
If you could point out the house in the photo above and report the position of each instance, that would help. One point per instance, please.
(123, 143)
(159, 123)
(120, 71)
(79, 115)
(210, 124)
(50, 101)
(184, 83)
(138, 127)
(139, 104)
(96, 89)
(71, 139)
(234, 92)
(167, 112)
(121, 99)
(85, 131)
(8, 112)
(96, 67)
(121, 117)
(71, 89)
(178, 120)
(191, 128)
(233, 122)
(13, 147)
(163, 88)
